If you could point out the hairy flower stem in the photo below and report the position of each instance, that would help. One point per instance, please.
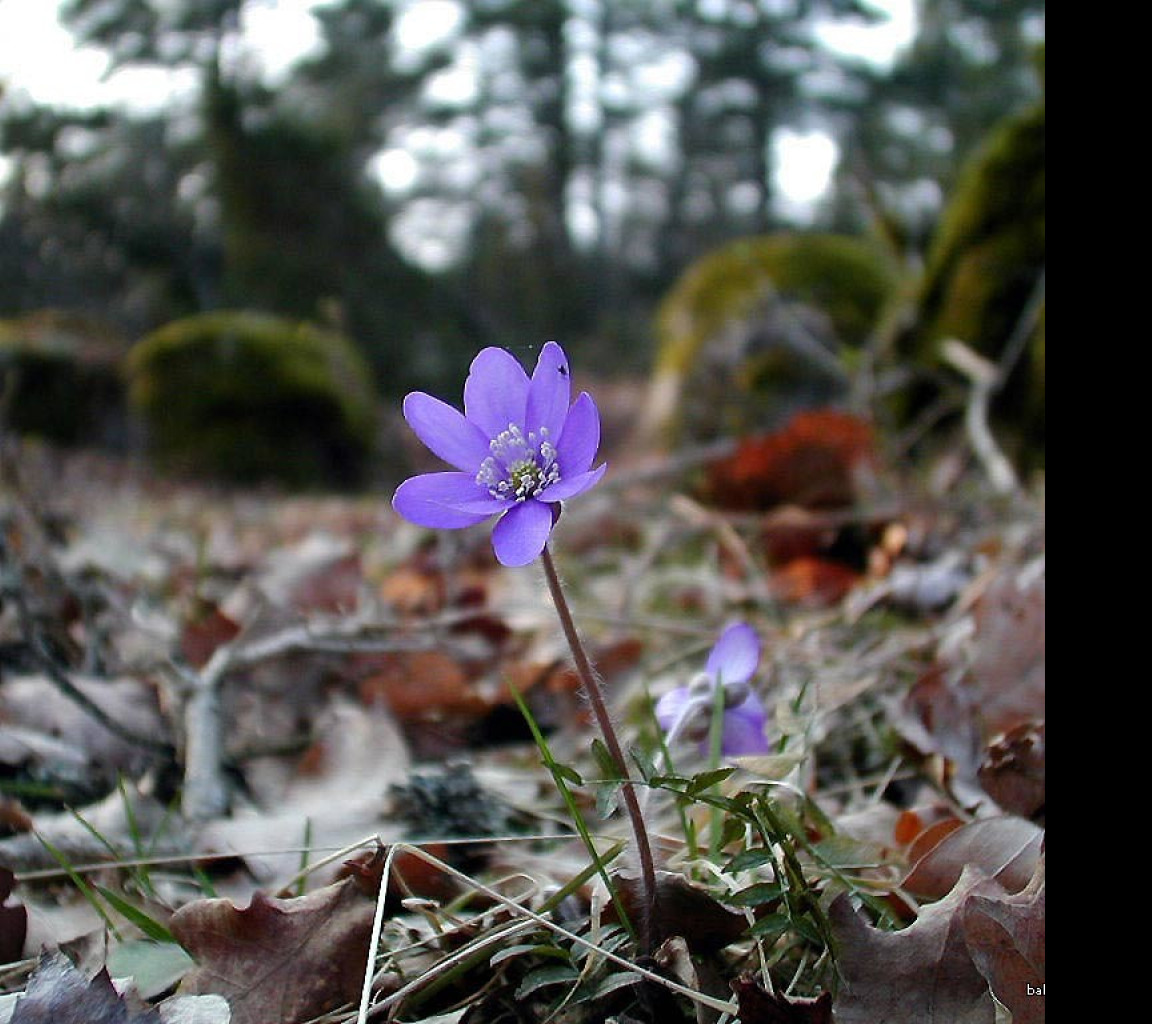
(611, 741)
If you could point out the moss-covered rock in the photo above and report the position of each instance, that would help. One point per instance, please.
(757, 329)
(60, 375)
(985, 268)
(250, 397)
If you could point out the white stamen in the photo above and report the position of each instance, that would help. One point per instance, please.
(520, 467)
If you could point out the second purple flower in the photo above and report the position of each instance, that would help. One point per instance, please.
(519, 448)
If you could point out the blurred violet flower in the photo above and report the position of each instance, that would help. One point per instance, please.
(519, 449)
(687, 710)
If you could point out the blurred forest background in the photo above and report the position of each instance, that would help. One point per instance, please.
(534, 169)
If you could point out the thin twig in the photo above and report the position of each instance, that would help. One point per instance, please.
(984, 379)
(205, 792)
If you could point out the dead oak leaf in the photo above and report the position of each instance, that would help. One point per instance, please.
(922, 974)
(1006, 848)
(59, 993)
(760, 1007)
(1005, 935)
(278, 961)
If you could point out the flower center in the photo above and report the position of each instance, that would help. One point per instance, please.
(520, 466)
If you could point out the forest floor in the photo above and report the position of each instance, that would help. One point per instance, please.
(226, 716)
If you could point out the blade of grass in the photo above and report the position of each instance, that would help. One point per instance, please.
(83, 887)
(148, 925)
(559, 778)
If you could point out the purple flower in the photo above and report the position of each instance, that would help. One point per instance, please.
(519, 449)
(687, 710)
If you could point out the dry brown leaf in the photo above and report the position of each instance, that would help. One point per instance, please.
(1005, 848)
(923, 974)
(760, 1007)
(937, 717)
(1012, 772)
(279, 961)
(683, 909)
(1007, 662)
(1005, 936)
(419, 684)
(918, 826)
(58, 993)
(813, 461)
(814, 581)
(206, 630)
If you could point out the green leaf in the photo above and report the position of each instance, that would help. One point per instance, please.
(706, 780)
(809, 930)
(78, 881)
(528, 948)
(754, 857)
(609, 769)
(567, 773)
(843, 851)
(598, 864)
(613, 983)
(607, 798)
(541, 977)
(755, 895)
(644, 762)
(769, 926)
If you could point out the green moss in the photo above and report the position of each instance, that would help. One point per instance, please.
(723, 331)
(845, 277)
(984, 265)
(251, 397)
(61, 378)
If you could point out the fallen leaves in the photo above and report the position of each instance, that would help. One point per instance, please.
(813, 462)
(1004, 848)
(1012, 770)
(58, 993)
(1006, 939)
(279, 961)
(404, 650)
(980, 707)
(805, 483)
(944, 968)
(760, 1007)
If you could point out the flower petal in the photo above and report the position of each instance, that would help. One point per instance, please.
(744, 728)
(445, 431)
(549, 391)
(736, 654)
(580, 437)
(440, 500)
(570, 486)
(496, 391)
(671, 706)
(522, 532)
